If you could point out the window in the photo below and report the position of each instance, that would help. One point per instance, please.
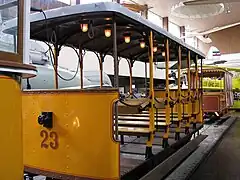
(8, 39)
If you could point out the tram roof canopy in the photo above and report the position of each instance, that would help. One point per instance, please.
(63, 24)
(212, 71)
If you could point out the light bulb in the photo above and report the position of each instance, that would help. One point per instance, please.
(142, 44)
(107, 32)
(163, 53)
(127, 39)
(154, 49)
(84, 27)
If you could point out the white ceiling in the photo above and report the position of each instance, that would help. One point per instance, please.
(163, 8)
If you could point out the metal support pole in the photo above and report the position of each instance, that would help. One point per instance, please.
(167, 101)
(116, 69)
(146, 78)
(188, 93)
(56, 66)
(196, 100)
(177, 136)
(81, 66)
(201, 95)
(151, 93)
(130, 64)
(115, 56)
(101, 59)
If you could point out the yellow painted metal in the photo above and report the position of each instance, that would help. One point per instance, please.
(81, 140)
(196, 82)
(200, 106)
(11, 132)
(167, 89)
(179, 105)
(151, 109)
(200, 102)
(189, 104)
(196, 75)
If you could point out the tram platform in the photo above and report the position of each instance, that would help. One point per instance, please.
(216, 157)
(223, 163)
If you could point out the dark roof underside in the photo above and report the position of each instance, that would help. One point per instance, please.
(63, 25)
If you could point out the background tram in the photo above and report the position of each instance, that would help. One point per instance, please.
(217, 90)
(218, 95)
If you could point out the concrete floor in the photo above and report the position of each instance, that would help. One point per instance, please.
(223, 163)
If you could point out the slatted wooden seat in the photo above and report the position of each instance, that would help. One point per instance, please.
(139, 123)
(145, 115)
(143, 118)
(133, 131)
(162, 113)
(136, 126)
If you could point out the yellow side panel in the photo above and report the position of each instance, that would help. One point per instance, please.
(80, 142)
(11, 130)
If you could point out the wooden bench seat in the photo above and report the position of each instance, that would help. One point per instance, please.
(162, 112)
(134, 131)
(145, 115)
(139, 118)
(139, 123)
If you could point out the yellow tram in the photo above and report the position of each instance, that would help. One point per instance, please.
(12, 70)
(91, 133)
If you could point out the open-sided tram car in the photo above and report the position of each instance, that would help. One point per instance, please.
(91, 133)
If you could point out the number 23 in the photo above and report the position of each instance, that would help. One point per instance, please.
(53, 139)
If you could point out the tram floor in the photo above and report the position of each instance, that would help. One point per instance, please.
(223, 163)
(133, 151)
